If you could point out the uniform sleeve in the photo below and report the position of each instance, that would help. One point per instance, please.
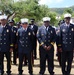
(14, 35)
(17, 34)
(57, 34)
(73, 41)
(41, 43)
(11, 38)
(73, 36)
(60, 39)
(36, 29)
(54, 37)
(32, 39)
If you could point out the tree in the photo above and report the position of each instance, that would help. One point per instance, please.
(6, 6)
(32, 9)
(44, 10)
(52, 15)
(68, 10)
(25, 9)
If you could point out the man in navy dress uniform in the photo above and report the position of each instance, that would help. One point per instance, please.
(6, 44)
(66, 44)
(25, 39)
(14, 31)
(46, 37)
(58, 54)
(34, 29)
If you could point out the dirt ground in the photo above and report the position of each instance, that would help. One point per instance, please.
(36, 67)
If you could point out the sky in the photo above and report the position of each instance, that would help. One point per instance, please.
(57, 3)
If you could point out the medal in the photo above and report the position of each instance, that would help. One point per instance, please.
(42, 34)
(7, 30)
(72, 29)
(29, 33)
(14, 31)
(51, 31)
(63, 30)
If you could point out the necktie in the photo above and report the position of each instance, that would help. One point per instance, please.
(12, 29)
(3, 28)
(67, 27)
(46, 28)
(24, 29)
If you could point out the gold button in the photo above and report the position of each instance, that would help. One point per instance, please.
(70, 42)
(1, 43)
(26, 37)
(4, 34)
(23, 45)
(0, 34)
(26, 45)
(23, 37)
(49, 40)
(4, 38)
(4, 43)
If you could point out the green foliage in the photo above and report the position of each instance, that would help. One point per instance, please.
(52, 15)
(6, 6)
(62, 10)
(26, 9)
(44, 10)
(57, 10)
(68, 10)
(32, 9)
(23, 8)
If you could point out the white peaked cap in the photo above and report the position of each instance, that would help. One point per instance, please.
(46, 19)
(24, 20)
(3, 17)
(67, 15)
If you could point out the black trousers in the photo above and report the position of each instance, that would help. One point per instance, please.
(7, 54)
(49, 56)
(15, 55)
(59, 56)
(34, 49)
(67, 56)
(29, 58)
(0, 60)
